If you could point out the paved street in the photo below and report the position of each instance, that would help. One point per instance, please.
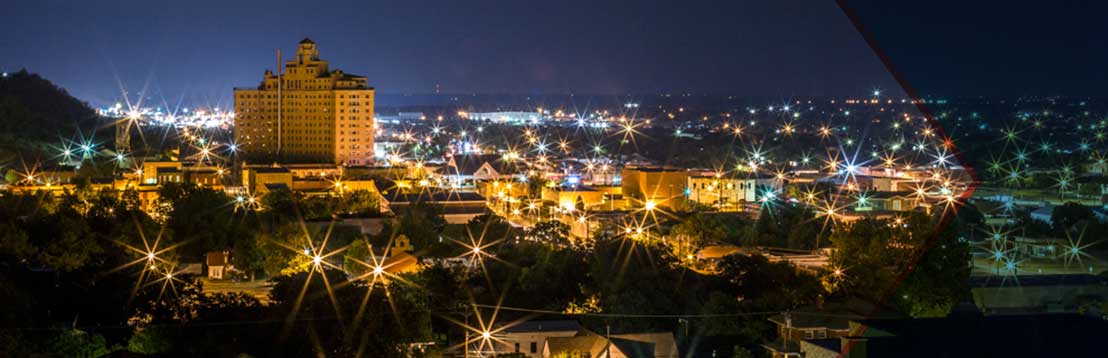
(257, 288)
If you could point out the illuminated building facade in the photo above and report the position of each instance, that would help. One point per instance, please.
(664, 186)
(721, 192)
(307, 113)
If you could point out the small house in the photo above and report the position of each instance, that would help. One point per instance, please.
(219, 264)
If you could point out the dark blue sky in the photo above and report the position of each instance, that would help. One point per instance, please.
(993, 47)
(201, 49)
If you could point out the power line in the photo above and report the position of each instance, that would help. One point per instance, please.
(632, 315)
(628, 315)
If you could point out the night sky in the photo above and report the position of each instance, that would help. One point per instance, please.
(199, 50)
(993, 48)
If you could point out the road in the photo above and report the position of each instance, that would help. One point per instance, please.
(985, 266)
(257, 288)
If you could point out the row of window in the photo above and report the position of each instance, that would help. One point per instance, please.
(288, 96)
(815, 334)
(301, 137)
(742, 186)
(244, 112)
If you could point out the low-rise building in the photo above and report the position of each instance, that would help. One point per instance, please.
(829, 320)
(529, 338)
(1040, 247)
(723, 192)
(889, 201)
(663, 187)
(582, 197)
(466, 170)
(590, 344)
(219, 264)
(259, 180)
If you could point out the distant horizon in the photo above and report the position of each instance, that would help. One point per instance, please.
(444, 99)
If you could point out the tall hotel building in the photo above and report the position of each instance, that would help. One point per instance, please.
(306, 114)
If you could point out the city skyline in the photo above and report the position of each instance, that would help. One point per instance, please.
(489, 179)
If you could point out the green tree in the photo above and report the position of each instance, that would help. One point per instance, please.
(279, 248)
(64, 241)
(77, 343)
(788, 225)
(551, 232)
(359, 203)
(151, 340)
(248, 256)
(356, 256)
(939, 280)
(382, 327)
(701, 229)
(204, 219)
(774, 285)
(282, 204)
(422, 223)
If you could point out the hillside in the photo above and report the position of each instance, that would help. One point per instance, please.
(35, 113)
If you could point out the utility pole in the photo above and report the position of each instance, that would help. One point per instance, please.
(607, 341)
(464, 310)
(788, 326)
(467, 336)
